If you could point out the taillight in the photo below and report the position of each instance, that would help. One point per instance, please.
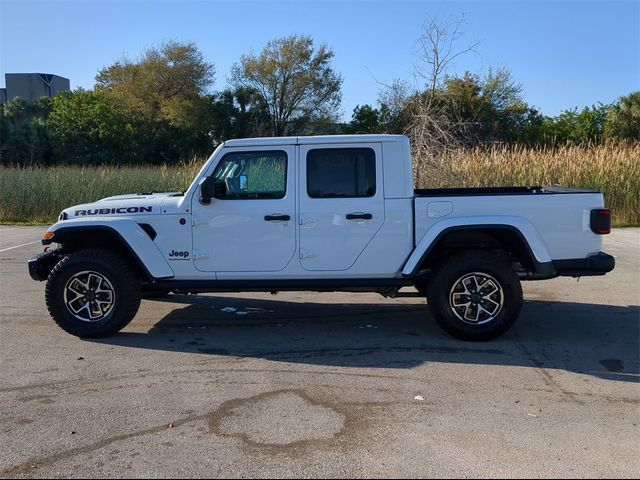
(601, 221)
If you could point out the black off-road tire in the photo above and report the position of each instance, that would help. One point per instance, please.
(456, 272)
(121, 278)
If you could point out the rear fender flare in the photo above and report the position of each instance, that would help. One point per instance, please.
(521, 226)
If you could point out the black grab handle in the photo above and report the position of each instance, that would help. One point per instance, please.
(274, 218)
(359, 216)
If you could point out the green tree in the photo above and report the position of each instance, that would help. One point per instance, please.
(297, 84)
(523, 124)
(575, 127)
(623, 119)
(24, 137)
(590, 124)
(165, 91)
(491, 107)
(238, 113)
(365, 119)
(86, 128)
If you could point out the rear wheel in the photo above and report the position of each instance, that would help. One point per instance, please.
(92, 293)
(475, 296)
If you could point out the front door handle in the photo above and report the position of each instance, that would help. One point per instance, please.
(359, 216)
(277, 218)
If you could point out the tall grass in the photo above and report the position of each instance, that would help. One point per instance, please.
(36, 195)
(611, 168)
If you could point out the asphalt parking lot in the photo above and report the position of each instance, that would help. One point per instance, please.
(323, 385)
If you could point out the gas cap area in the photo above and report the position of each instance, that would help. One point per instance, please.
(439, 209)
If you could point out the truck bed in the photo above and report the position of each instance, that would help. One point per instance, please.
(559, 215)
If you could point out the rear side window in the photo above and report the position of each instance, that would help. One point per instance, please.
(341, 172)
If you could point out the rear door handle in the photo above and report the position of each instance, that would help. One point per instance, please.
(277, 218)
(359, 216)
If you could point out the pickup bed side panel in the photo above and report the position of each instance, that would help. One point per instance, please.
(135, 237)
(561, 222)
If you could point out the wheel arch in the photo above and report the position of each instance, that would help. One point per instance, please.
(124, 237)
(518, 239)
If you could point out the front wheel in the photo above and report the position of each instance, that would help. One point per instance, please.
(92, 293)
(475, 296)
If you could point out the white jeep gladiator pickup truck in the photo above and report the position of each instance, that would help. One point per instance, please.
(326, 213)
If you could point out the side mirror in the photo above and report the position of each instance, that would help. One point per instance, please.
(220, 189)
(207, 190)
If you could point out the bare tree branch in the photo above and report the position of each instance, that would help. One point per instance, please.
(436, 125)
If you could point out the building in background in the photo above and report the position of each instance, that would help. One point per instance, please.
(32, 86)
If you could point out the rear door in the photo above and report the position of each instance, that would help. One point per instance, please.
(341, 203)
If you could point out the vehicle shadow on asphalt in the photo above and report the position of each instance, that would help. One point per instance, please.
(598, 340)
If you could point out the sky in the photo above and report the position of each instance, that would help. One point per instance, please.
(564, 53)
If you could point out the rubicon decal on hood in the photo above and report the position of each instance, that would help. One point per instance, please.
(110, 211)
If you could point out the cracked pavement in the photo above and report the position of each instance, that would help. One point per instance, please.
(323, 385)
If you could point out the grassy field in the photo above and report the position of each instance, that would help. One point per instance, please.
(37, 195)
(613, 169)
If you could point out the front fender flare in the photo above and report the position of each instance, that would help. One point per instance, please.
(129, 231)
(520, 225)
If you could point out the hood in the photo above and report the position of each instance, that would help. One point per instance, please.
(121, 205)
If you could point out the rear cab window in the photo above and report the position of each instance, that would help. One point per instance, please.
(341, 173)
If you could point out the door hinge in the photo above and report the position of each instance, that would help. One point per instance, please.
(306, 220)
(198, 220)
(200, 254)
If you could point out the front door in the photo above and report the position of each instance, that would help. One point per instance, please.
(249, 226)
(341, 203)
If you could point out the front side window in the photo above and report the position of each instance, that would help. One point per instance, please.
(341, 173)
(251, 175)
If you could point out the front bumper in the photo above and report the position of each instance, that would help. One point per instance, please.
(41, 265)
(597, 264)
